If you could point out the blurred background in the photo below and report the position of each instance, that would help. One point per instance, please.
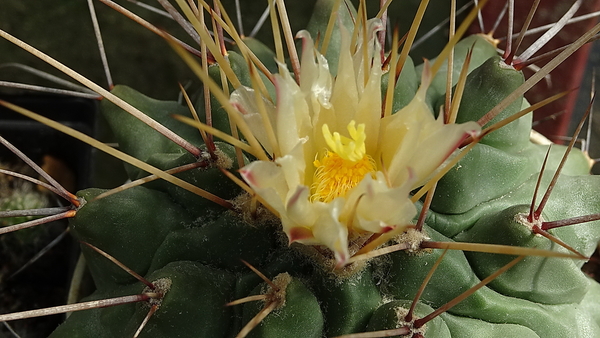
(63, 29)
(137, 58)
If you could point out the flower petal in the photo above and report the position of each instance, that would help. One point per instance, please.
(267, 179)
(413, 137)
(410, 144)
(320, 219)
(329, 231)
(367, 201)
(315, 78)
(293, 166)
(345, 93)
(243, 99)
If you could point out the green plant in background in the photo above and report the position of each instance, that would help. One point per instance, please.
(20, 195)
(369, 197)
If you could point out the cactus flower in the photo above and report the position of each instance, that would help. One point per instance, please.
(341, 171)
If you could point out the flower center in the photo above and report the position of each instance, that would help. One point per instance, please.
(342, 168)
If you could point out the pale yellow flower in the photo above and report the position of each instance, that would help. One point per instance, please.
(344, 171)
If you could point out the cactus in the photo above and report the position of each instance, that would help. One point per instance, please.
(346, 187)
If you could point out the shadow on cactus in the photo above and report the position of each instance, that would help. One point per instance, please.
(337, 191)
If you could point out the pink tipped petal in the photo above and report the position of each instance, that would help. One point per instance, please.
(244, 100)
(296, 234)
(387, 229)
(300, 210)
(293, 165)
(328, 230)
(292, 115)
(315, 79)
(341, 258)
(373, 53)
(308, 68)
(426, 79)
(267, 180)
(375, 196)
(439, 146)
(413, 137)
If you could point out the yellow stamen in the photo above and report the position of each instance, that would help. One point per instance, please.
(344, 167)
(349, 149)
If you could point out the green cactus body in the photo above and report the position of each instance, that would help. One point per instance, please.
(299, 313)
(181, 280)
(482, 48)
(189, 280)
(391, 315)
(105, 223)
(100, 322)
(469, 327)
(530, 279)
(348, 304)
